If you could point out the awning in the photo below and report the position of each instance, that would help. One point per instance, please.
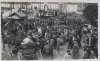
(8, 13)
(13, 17)
(20, 14)
(17, 15)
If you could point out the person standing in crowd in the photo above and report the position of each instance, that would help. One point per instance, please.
(84, 36)
(87, 40)
(55, 41)
(87, 52)
(51, 48)
(75, 51)
(93, 42)
(68, 55)
(20, 36)
(92, 56)
(70, 45)
(46, 35)
(59, 41)
(36, 13)
(42, 44)
(66, 34)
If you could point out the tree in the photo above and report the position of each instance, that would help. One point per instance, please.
(91, 13)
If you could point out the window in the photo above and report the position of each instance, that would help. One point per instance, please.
(72, 8)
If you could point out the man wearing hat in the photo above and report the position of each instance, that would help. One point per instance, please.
(68, 55)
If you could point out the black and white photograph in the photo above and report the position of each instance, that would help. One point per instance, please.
(49, 30)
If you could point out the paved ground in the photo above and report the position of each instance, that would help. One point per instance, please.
(6, 55)
(57, 55)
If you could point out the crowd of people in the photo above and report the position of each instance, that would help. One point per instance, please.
(45, 35)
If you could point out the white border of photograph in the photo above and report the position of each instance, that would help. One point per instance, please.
(86, 1)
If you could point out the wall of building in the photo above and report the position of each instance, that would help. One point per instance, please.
(62, 7)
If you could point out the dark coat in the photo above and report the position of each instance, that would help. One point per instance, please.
(20, 36)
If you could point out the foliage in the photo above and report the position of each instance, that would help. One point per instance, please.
(91, 13)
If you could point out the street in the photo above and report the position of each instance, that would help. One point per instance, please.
(56, 55)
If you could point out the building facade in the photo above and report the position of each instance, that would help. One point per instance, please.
(65, 7)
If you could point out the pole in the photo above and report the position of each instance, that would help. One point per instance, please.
(27, 14)
(11, 13)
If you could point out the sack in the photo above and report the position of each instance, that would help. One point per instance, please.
(30, 57)
(28, 51)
